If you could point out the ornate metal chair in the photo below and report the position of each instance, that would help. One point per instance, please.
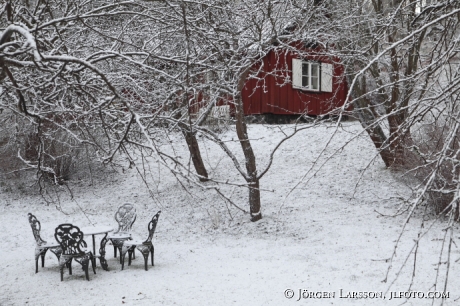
(125, 217)
(70, 238)
(145, 247)
(42, 246)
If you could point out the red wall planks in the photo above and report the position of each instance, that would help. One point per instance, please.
(275, 95)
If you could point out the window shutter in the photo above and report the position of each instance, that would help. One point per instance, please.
(326, 77)
(296, 73)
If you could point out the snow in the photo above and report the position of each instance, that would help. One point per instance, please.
(329, 234)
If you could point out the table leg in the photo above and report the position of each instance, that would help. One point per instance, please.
(102, 260)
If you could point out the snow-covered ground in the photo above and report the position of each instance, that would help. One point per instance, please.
(327, 234)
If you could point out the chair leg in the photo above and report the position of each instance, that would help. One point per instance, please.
(93, 263)
(43, 257)
(36, 264)
(86, 273)
(146, 259)
(130, 255)
(69, 264)
(61, 267)
(120, 250)
(85, 263)
(117, 244)
(152, 251)
(122, 259)
(39, 252)
(123, 250)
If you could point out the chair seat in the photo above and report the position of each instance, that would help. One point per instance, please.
(49, 245)
(133, 242)
(121, 235)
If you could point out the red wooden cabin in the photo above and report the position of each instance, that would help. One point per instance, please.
(288, 84)
(292, 85)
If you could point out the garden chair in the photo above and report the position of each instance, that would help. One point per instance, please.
(41, 245)
(70, 238)
(125, 217)
(145, 247)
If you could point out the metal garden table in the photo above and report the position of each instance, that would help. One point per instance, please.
(99, 230)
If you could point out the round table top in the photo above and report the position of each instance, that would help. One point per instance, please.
(94, 230)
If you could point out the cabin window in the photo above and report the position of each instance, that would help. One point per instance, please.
(311, 76)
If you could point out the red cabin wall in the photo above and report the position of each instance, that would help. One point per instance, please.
(270, 94)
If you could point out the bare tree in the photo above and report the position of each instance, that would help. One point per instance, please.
(231, 39)
(402, 64)
(105, 74)
(54, 81)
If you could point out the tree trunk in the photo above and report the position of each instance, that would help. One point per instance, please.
(195, 154)
(367, 118)
(194, 149)
(396, 141)
(190, 136)
(391, 149)
(373, 129)
(251, 168)
(254, 200)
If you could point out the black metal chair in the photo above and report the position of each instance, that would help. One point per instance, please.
(41, 245)
(125, 217)
(70, 238)
(145, 247)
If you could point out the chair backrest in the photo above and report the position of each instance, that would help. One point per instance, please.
(152, 226)
(36, 227)
(70, 238)
(125, 216)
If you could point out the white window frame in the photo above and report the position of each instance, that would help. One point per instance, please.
(323, 78)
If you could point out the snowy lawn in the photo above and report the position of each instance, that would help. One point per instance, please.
(326, 235)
